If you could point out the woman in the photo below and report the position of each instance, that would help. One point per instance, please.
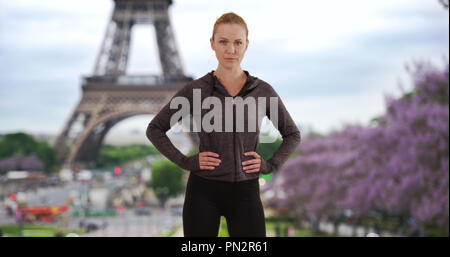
(224, 174)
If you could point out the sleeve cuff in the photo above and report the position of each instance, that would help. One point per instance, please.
(192, 163)
(266, 167)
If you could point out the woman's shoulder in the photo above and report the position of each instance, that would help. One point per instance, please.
(187, 89)
(203, 82)
(266, 87)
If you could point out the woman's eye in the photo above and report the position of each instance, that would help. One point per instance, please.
(222, 42)
(239, 43)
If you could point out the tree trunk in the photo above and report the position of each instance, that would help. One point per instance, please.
(335, 228)
(354, 226)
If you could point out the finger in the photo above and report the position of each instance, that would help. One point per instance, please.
(256, 155)
(251, 162)
(252, 171)
(209, 154)
(250, 167)
(253, 166)
(209, 163)
(206, 167)
(211, 159)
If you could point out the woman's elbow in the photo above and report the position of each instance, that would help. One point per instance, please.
(293, 138)
(151, 132)
(297, 137)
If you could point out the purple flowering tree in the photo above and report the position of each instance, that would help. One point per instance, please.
(17, 162)
(32, 162)
(10, 163)
(396, 167)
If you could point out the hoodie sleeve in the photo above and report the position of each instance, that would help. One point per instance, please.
(160, 124)
(289, 132)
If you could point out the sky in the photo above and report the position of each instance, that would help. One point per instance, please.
(331, 62)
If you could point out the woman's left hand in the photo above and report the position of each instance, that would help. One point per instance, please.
(252, 165)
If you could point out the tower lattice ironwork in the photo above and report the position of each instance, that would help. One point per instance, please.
(111, 95)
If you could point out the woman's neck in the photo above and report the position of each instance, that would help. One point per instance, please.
(232, 80)
(229, 75)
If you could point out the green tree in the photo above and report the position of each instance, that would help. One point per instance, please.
(23, 144)
(47, 155)
(17, 143)
(166, 180)
(111, 155)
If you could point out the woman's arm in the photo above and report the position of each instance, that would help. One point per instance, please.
(289, 132)
(160, 124)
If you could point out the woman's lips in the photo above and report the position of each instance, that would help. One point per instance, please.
(230, 59)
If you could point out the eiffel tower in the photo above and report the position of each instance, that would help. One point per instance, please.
(110, 95)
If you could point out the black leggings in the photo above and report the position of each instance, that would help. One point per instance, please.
(207, 200)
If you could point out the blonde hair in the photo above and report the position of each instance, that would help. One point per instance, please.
(230, 18)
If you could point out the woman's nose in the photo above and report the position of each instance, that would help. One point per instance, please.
(230, 49)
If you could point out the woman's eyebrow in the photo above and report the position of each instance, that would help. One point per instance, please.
(227, 39)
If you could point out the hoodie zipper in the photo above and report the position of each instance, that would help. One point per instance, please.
(234, 129)
(234, 140)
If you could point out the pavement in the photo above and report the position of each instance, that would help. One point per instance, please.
(159, 223)
(179, 232)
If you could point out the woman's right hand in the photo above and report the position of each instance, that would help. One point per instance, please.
(208, 160)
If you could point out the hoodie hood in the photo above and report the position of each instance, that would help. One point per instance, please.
(251, 83)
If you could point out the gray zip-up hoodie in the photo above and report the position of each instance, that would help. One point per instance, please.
(230, 146)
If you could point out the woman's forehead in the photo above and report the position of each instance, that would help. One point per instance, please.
(230, 31)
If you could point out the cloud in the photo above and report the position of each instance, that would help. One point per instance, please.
(319, 56)
(328, 112)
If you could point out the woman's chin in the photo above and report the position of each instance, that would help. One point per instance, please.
(230, 65)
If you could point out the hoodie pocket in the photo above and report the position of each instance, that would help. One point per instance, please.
(250, 141)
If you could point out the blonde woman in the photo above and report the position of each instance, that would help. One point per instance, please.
(224, 174)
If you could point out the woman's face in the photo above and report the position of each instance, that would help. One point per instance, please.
(230, 44)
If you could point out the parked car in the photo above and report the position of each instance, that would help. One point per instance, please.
(177, 211)
(142, 212)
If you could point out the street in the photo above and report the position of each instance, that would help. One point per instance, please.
(159, 223)
(151, 221)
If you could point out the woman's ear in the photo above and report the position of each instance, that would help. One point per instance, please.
(211, 41)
